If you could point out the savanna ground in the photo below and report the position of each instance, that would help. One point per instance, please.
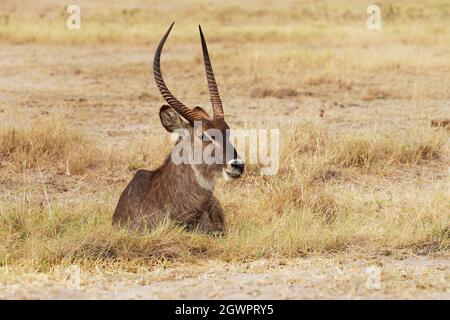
(366, 184)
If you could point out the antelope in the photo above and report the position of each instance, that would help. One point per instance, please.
(183, 192)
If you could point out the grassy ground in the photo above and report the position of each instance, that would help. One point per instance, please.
(78, 116)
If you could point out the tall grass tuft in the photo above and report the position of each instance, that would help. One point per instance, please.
(48, 142)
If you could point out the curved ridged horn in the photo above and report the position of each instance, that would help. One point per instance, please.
(179, 107)
(212, 85)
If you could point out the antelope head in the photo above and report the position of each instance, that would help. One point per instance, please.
(204, 131)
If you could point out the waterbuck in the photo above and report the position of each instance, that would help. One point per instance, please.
(183, 191)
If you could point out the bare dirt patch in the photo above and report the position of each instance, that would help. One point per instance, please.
(306, 278)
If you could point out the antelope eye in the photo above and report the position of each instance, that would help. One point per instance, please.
(207, 137)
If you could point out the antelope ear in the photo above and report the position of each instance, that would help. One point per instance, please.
(170, 119)
(202, 113)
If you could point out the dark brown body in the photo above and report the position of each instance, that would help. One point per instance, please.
(171, 191)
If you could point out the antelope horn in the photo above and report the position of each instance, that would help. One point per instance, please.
(179, 107)
(212, 85)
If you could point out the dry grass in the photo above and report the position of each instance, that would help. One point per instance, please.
(48, 142)
(52, 143)
(367, 150)
(303, 209)
(285, 22)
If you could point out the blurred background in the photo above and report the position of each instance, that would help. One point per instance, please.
(266, 54)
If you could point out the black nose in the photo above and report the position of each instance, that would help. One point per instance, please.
(238, 165)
